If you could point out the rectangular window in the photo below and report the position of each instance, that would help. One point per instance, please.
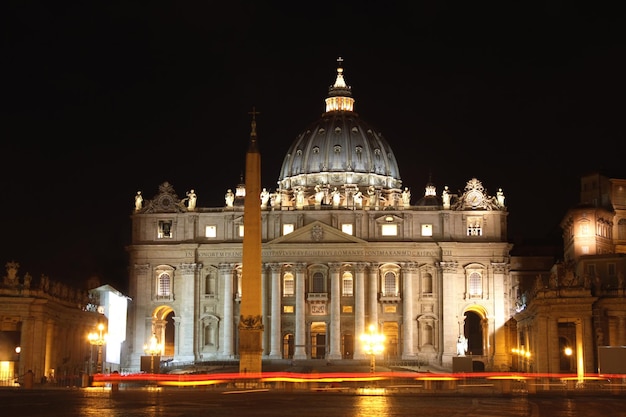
(474, 226)
(389, 230)
(241, 230)
(288, 286)
(287, 228)
(475, 285)
(288, 309)
(210, 231)
(165, 229)
(347, 289)
(611, 270)
(427, 230)
(591, 270)
(346, 309)
(163, 286)
(347, 228)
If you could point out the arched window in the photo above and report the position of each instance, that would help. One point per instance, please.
(347, 285)
(318, 282)
(390, 284)
(164, 285)
(475, 285)
(288, 285)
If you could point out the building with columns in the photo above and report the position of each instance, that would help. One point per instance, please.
(345, 245)
(572, 311)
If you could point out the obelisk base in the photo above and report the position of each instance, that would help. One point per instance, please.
(250, 351)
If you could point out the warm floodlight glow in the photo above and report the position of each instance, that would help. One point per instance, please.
(373, 344)
(153, 348)
(568, 351)
(98, 338)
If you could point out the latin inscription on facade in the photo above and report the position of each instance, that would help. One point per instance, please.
(321, 253)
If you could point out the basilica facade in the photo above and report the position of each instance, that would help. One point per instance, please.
(345, 245)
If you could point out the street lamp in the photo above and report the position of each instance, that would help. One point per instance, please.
(98, 338)
(16, 365)
(153, 349)
(373, 344)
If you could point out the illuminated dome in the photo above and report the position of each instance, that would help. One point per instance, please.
(340, 150)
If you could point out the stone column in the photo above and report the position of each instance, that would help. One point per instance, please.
(501, 357)
(359, 308)
(554, 354)
(226, 272)
(300, 336)
(335, 312)
(373, 296)
(185, 332)
(450, 312)
(275, 319)
(408, 273)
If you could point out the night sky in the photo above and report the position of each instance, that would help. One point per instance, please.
(102, 99)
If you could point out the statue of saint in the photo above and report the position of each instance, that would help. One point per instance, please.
(191, 202)
(138, 201)
(446, 197)
(229, 197)
(336, 195)
(265, 197)
(500, 197)
(461, 346)
(406, 197)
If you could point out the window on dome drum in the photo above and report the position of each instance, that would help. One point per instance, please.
(427, 229)
(288, 228)
(475, 285)
(288, 285)
(347, 285)
(164, 285)
(474, 226)
(165, 229)
(347, 228)
(210, 231)
(389, 230)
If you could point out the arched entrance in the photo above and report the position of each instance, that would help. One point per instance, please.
(474, 333)
(288, 344)
(318, 340)
(164, 329)
(392, 337)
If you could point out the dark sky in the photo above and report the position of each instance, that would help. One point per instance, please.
(101, 99)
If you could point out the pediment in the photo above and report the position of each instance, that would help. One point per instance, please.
(317, 232)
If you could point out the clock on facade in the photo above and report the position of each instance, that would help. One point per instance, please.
(474, 198)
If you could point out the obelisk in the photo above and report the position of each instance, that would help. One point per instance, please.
(251, 310)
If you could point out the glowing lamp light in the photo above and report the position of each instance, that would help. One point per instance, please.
(98, 339)
(373, 344)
